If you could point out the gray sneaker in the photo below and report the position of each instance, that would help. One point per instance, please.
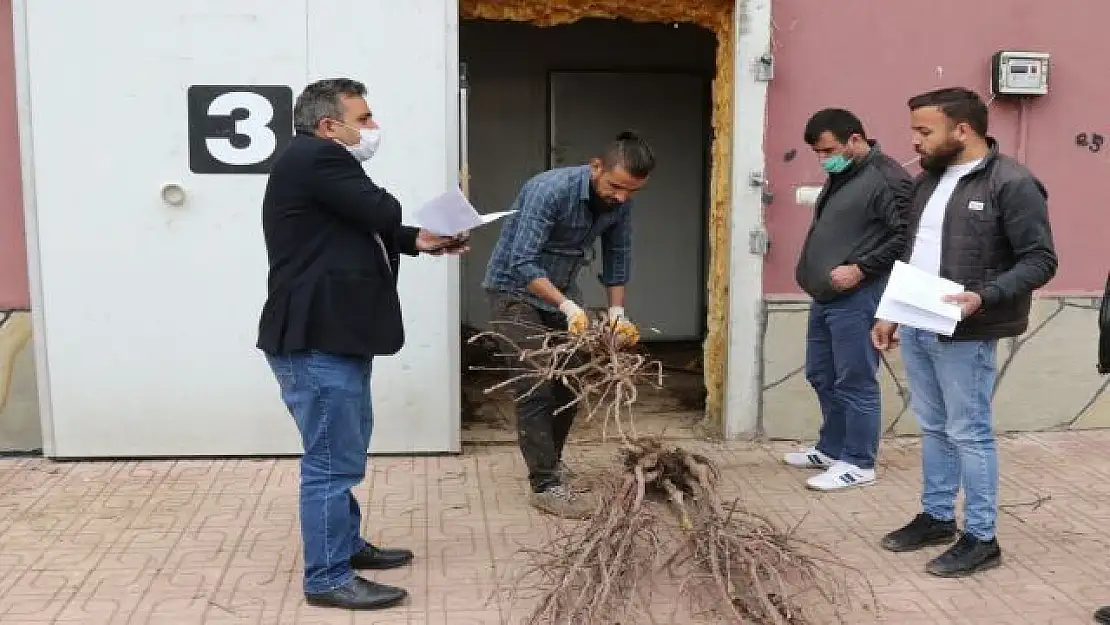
(574, 481)
(560, 501)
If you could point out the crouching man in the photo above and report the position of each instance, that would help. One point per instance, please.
(531, 279)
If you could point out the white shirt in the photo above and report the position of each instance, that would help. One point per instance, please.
(926, 245)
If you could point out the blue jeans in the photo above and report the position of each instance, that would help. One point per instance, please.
(841, 365)
(951, 383)
(329, 398)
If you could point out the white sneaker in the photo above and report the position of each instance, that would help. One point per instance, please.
(842, 475)
(808, 459)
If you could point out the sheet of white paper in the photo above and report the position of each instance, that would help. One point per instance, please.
(492, 217)
(916, 299)
(904, 314)
(451, 214)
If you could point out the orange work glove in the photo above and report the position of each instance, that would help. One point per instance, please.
(627, 333)
(577, 321)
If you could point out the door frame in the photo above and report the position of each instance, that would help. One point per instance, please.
(706, 79)
(30, 217)
(743, 399)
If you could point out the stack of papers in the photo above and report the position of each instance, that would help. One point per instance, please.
(451, 215)
(915, 298)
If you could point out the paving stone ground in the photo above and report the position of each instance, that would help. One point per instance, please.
(216, 541)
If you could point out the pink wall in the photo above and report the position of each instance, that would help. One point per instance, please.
(13, 251)
(870, 57)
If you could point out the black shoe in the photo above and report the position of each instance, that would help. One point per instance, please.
(969, 555)
(922, 531)
(380, 559)
(359, 594)
(1102, 615)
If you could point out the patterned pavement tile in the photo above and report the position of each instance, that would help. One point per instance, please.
(218, 541)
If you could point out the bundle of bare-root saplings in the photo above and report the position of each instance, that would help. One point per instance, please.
(661, 538)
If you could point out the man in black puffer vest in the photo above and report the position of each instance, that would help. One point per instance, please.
(858, 231)
(978, 218)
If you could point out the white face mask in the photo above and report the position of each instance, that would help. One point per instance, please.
(369, 140)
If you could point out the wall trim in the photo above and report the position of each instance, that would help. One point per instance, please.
(30, 215)
(752, 30)
(454, 175)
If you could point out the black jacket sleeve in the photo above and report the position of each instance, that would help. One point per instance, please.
(1024, 206)
(890, 206)
(405, 238)
(1104, 330)
(343, 188)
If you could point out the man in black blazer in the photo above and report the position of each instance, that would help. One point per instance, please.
(334, 240)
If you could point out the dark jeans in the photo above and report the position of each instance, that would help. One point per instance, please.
(540, 432)
(841, 365)
(329, 398)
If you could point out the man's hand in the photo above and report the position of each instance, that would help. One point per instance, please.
(577, 321)
(845, 277)
(627, 333)
(436, 245)
(884, 335)
(969, 302)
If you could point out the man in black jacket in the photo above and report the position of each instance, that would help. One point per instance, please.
(334, 240)
(858, 231)
(980, 219)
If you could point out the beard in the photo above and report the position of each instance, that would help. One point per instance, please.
(599, 203)
(942, 158)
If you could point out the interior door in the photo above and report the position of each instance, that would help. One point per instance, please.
(588, 109)
(151, 141)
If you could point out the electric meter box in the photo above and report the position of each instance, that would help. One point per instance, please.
(1019, 73)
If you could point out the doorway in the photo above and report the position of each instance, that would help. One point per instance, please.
(551, 97)
(671, 111)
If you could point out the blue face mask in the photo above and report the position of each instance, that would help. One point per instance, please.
(836, 163)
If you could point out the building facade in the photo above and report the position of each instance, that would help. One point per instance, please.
(136, 256)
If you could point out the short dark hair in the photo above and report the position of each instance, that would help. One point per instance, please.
(958, 104)
(842, 124)
(323, 99)
(631, 152)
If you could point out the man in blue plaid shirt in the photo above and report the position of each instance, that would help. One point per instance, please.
(532, 282)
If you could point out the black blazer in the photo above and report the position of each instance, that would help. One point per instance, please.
(332, 286)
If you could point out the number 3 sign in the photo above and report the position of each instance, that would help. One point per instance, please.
(238, 129)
